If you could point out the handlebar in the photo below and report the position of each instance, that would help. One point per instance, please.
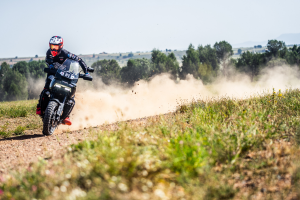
(49, 70)
(87, 78)
(89, 69)
(83, 76)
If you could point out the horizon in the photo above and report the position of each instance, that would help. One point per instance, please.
(139, 26)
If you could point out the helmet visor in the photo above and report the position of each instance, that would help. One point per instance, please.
(54, 47)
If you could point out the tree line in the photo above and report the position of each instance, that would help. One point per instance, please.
(137, 69)
(276, 54)
(204, 62)
(17, 83)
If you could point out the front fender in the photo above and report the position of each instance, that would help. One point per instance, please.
(56, 100)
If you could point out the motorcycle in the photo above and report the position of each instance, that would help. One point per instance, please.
(58, 101)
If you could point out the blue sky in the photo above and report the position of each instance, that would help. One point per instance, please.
(94, 26)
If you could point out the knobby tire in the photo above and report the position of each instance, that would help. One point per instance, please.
(48, 129)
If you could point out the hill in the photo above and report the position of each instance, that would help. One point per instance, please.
(288, 38)
(121, 58)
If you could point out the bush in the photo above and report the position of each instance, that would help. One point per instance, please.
(19, 130)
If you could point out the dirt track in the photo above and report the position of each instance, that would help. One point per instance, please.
(20, 151)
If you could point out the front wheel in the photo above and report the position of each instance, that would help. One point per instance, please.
(49, 121)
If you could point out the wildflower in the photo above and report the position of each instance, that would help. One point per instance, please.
(181, 142)
(66, 183)
(144, 173)
(144, 188)
(111, 185)
(2, 179)
(34, 188)
(149, 183)
(160, 193)
(77, 192)
(68, 176)
(1, 192)
(123, 187)
(56, 189)
(63, 188)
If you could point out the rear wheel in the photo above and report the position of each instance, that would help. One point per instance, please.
(50, 123)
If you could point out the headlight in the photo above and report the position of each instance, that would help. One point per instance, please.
(68, 89)
(57, 85)
(62, 86)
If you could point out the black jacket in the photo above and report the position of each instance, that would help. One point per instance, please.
(62, 56)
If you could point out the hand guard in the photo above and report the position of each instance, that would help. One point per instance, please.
(56, 65)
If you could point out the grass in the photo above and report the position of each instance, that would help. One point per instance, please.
(15, 109)
(221, 149)
(5, 133)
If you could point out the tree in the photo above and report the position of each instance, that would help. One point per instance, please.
(130, 55)
(36, 69)
(208, 55)
(274, 47)
(5, 68)
(15, 86)
(224, 52)
(109, 70)
(190, 62)
(21, 67)
(162, 63)
(249, 63)
(293, 56)
(135, 70)
(202, 63)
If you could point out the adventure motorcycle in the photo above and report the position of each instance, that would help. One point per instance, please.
(58, 101)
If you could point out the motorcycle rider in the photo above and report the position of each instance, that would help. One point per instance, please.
(55, 56)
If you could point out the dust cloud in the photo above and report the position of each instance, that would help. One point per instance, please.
(161, 95)
(35, 87)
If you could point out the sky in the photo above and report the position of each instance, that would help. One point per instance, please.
(94, 26)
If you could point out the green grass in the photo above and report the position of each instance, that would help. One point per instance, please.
(17, 109)
(191, 154)
(5, 133)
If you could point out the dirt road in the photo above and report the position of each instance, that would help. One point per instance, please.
(18, 152)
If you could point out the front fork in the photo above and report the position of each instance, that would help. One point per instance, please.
(44, 101)
(60, 109)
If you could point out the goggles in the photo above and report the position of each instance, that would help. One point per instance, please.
(54, 47)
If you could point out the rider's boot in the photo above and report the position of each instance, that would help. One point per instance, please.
(67, 121)
(38, 109)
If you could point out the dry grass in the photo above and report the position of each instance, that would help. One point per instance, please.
(221, 149)
(17, 117)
